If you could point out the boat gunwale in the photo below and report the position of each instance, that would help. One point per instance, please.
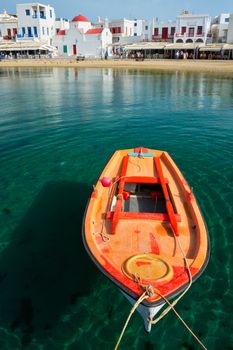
(119, 284)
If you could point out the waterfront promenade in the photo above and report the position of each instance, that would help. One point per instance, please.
(167, 65)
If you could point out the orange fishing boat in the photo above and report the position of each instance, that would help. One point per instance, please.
(144, 230)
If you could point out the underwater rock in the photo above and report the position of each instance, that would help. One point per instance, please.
(6, 211)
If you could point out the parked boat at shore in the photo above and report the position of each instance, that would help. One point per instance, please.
(144, 230)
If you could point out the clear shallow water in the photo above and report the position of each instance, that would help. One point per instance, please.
(58, 127)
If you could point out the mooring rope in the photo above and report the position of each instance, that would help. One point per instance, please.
(147, 294)
(181, 319)
(139, 301)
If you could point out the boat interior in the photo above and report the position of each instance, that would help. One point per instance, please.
(143, 198)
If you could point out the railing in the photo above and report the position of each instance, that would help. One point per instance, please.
(27, 36)
(190, 35)
(40, 16)
(156, 37)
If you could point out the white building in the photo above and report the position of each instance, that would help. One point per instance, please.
(83, 39)
(163, 31)
(126, 31)
(8, 26)
(192, 28)
(142, 29)
(219, 28)
(230, 30)
(61, 24)
(121, 28)
(36, 21)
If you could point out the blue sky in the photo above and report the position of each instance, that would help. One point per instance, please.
(163, 9)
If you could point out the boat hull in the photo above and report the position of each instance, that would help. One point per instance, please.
(147, 312)
(140, 207)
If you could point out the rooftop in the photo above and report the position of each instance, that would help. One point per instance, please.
(80, 18)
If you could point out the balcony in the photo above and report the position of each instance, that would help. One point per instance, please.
(26, 37)
(39, 16)
(156, 37)
(190, 35)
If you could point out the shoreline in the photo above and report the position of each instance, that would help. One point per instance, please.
(156, 65)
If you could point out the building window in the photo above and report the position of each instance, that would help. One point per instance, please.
(173, 29)
(146, 27)
(164, 32)
(57, 30)
(35, 32)
(27, 12)
(227, 20)
(43, 31)
(135, 34)
(14, 31)
(64, 48)
(51, 13)
(48, 31)
(156, 31)
(183, 30)
(9, 33)
(115, 30)
(199, 30)
(29, 32)
(135, 24)
(23, 31)
(191, 31)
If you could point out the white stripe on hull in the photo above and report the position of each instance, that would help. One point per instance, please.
(144, 311)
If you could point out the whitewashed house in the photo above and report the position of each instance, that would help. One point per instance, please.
(163, 31)
(121, 28)
(83, 39)
(36, 22)
(129, 31)
(142, 29)
(61, 24)
(192, 28)
(230, 30)
(8, 26)
(219, 28)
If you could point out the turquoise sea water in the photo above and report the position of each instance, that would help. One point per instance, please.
(58, 127)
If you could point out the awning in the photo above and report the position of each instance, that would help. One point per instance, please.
(183, 46)
(211, 48)
(227, 47)
(27, 46)
(145, 46)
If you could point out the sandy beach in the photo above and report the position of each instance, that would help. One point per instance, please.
(157, 65)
